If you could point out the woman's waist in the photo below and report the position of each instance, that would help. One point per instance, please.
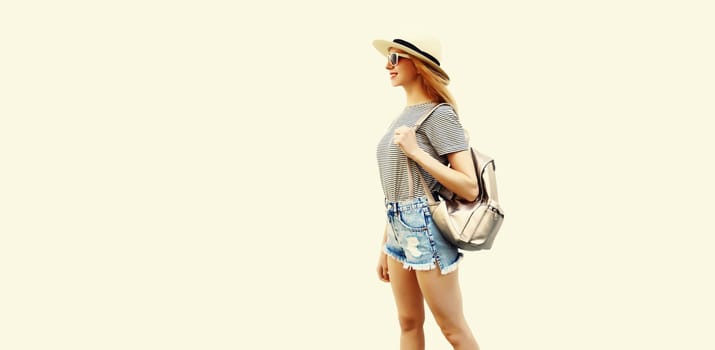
(410, 204)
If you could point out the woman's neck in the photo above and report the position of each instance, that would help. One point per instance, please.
(416, 95)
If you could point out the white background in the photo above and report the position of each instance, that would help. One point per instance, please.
(201, 175)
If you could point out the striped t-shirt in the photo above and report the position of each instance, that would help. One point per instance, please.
(439, 135)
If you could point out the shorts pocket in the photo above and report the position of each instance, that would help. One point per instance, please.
(414, 220)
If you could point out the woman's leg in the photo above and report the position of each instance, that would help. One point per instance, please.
(444, 299)
(410, 305)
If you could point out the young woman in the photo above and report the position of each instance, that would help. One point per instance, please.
(415, 259)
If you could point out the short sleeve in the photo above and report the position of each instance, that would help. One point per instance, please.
(444, 131)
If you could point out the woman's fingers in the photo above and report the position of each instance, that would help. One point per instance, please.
(382, 272)
(385, 275)
(401, 134)
(405, 139)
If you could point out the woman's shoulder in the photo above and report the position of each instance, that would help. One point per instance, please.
(444, 112)
(445, 108)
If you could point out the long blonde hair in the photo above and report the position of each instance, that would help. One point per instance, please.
(434, 83)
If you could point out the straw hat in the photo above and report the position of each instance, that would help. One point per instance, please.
(426, 49)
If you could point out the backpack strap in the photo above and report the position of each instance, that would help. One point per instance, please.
(426, 115)
(427, 191)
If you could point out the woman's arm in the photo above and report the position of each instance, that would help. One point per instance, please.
(382, 272)
(460, 177)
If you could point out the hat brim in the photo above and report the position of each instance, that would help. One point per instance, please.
(383, 46)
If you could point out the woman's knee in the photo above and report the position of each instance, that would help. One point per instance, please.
(411, 322)
(457, 335)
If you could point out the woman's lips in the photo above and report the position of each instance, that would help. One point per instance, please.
(392, 75)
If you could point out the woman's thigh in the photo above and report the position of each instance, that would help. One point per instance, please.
(443, 296)
(406, 290)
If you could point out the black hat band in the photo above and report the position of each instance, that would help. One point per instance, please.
(413, 47)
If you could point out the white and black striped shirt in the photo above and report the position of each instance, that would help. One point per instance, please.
(439, 135)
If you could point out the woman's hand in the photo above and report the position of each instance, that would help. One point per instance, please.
(406, 139)
(382, 273)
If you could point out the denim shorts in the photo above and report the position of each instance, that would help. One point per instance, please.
(414, 240)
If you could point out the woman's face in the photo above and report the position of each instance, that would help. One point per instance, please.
(404, 73)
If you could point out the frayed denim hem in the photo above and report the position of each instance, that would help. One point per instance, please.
(392, 255)
(424, 267)
(453, 266)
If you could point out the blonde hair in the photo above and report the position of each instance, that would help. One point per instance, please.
(434, 83)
